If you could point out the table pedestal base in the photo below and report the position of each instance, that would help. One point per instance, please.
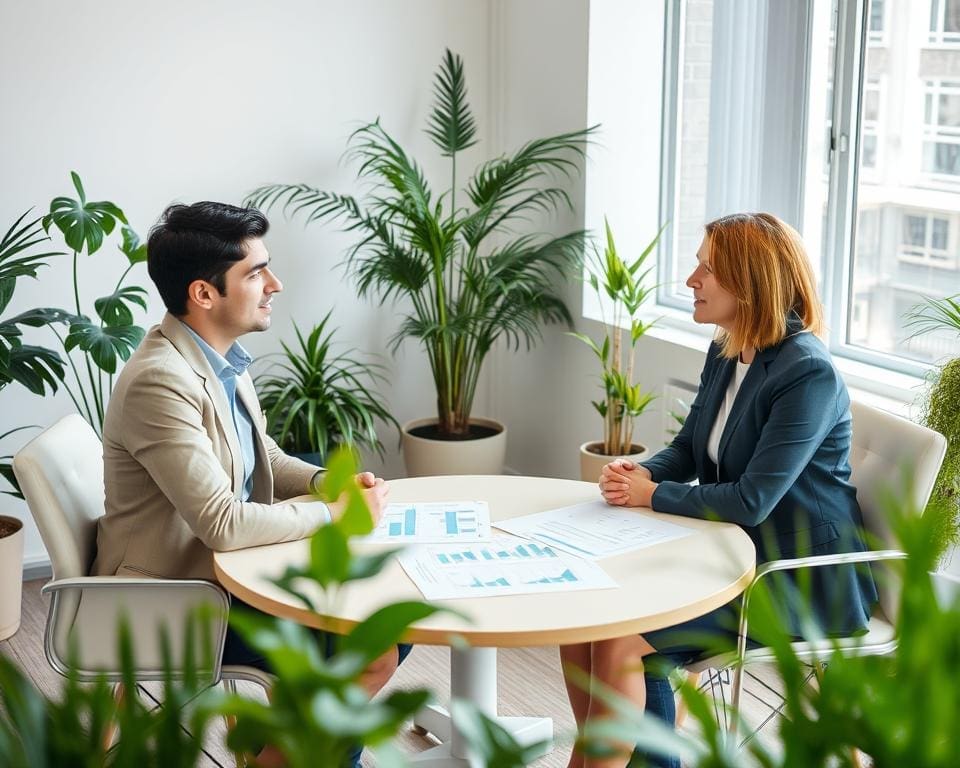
(473, 678)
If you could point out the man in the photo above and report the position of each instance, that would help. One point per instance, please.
(188, 467)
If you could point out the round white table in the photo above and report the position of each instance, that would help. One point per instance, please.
(659, 586)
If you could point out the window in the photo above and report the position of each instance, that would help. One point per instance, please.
(890, 209)
(944, 22)
(875, 24)
(941, 129)
(730, 134)
(924, 240)
(875, 191)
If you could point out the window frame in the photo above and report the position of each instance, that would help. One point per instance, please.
(937, 36)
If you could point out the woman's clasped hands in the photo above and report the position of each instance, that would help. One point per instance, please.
(626, 484)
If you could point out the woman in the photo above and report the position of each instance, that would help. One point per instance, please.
(768, 439)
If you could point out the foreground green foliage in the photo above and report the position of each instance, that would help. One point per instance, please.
(318, 710)
(70, 732)
(434, 250)
(900, 709)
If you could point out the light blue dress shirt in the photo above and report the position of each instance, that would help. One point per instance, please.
(228, 369)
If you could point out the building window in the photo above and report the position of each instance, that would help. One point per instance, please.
(945, 22)
(870, 124)
(875, 25)
(941, 129)
(925, 239)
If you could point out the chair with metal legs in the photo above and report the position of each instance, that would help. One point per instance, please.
(61, 475)
(889, 456)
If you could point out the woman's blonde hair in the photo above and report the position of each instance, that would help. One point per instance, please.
(763, 263)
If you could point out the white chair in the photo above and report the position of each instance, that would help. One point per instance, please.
(890, 456)
(61, 475)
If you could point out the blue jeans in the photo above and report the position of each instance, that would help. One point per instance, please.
(236, 651)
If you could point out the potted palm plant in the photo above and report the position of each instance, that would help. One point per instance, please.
(435, 251)
(622, 290)
(315, 400)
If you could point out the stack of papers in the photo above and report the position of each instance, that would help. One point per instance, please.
(554, 551)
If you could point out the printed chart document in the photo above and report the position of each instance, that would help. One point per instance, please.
(504, 566)
(594, 529)
(434, 521)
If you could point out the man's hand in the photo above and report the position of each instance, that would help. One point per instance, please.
(625, 484)
(375, 491)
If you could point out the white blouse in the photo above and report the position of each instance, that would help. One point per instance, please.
(713, 442)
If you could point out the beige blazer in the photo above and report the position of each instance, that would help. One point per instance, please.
(173, 469)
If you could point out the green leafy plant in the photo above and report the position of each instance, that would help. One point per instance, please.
(622, 290)
(900, 709)
(317, 708)
(940, 411)
(84, 225)
(36, 732)
(37, 368)
(316, 400)
(464, 293)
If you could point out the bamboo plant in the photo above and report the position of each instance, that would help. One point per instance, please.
(464, 293)
(622, 289)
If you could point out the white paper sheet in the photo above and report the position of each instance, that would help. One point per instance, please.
(505, 566)
(594, 529)
(435, 521)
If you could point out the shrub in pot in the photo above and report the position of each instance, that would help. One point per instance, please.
(315, 400)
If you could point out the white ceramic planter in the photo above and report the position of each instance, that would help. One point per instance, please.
(11, 578)
(483, 456)
(591, 463)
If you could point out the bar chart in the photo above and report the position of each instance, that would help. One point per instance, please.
(434, 522)
(505, 565)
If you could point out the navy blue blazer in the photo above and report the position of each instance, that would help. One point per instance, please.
(782, 474)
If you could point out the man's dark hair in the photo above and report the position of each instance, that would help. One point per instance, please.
(198, 242)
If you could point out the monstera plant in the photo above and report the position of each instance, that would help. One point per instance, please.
(95, 344)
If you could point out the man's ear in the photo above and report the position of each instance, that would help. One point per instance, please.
(201, 294)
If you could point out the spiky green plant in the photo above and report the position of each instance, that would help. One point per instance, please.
(624, 287)
(434, 250)
(316, 400)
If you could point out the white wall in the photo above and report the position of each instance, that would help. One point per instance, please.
(179, 101)
(544, 397)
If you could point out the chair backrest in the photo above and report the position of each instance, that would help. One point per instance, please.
(891, 456)
(61, 475)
